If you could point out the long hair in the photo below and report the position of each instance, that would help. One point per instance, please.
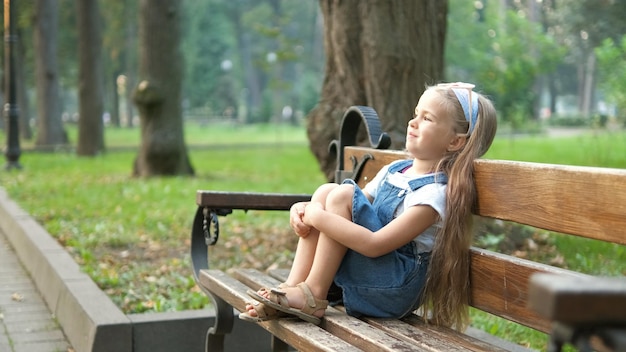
(447, 290)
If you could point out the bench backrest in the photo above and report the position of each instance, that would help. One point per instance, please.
(582, 201)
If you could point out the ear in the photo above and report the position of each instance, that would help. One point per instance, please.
(457, 142)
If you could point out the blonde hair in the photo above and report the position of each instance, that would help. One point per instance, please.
(447, 290)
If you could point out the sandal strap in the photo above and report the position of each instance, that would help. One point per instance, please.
(279, 297)
(260, 310)
(312, 304)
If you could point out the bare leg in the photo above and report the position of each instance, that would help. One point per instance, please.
(305, 250)
(307, 246)
(326, 256)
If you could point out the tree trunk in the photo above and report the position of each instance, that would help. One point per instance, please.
(130, 64)
(50, 130)
(158, 94)
(90, 79)
(380, 54)
(588, 84)
(26, 132)
(111, 87)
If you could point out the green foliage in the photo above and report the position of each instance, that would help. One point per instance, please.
(569, 121)
(504, 56)
(207, 42)
(612, 65)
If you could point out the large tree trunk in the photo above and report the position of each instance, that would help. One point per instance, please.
(90, 79)
(380, 54)
(50, 130)
(158, 94)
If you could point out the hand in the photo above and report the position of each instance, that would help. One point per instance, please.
(310, 209)
(296, 216)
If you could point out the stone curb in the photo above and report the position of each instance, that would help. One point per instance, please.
(89, 319)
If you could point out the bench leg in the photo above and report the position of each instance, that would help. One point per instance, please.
(224, 320)
(562, 334)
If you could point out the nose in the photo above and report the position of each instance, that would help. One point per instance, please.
(413, 122)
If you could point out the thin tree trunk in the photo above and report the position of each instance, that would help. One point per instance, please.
(115, 99)
(50, 130)
(589, 83)
(90, 80)
(26, 131)
(158, 94)
(131, 78)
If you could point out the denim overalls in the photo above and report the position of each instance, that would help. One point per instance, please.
(388, 286)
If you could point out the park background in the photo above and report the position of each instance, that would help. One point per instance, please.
(253, 71)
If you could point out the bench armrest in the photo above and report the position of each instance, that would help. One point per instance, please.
(211, 204)
(248, 200)
(579, 300)
(584, 310)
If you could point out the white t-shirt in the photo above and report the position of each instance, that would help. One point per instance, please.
(433, 195)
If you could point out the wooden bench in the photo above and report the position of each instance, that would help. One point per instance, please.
(572, 307)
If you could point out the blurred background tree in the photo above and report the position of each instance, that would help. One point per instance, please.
(90, 79)
(265, 61)
(158, 95)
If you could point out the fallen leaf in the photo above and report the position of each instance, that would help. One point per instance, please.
(18, 297)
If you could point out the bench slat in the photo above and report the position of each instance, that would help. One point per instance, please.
(430, 337)
(472, 340)
(583, 201)
(421, 335)
(499, 285)
(301, 335)
(350, 329)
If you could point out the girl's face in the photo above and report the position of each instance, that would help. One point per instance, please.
(430, 133)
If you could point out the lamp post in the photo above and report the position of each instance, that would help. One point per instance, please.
(11, 113)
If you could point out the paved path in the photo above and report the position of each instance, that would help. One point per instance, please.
(26, 324)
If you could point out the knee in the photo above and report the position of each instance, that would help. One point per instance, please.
(340, 197)
(321, 193)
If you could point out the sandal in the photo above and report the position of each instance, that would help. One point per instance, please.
(264, 313)
(278, 300)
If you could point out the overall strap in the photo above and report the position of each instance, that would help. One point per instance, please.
(414, 184)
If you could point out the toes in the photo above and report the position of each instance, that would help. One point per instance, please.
(251, 310)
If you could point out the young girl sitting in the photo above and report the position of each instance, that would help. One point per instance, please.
(403, 241)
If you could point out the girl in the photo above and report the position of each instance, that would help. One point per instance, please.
(402, 242)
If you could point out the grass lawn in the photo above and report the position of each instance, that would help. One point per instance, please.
(132, 235)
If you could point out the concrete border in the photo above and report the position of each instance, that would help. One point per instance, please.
(88, 317)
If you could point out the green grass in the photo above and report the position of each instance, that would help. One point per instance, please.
(593, 148)
(197, 135)
(132, 235)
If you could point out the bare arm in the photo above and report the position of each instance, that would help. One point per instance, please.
(296, 216)
(402, 230)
